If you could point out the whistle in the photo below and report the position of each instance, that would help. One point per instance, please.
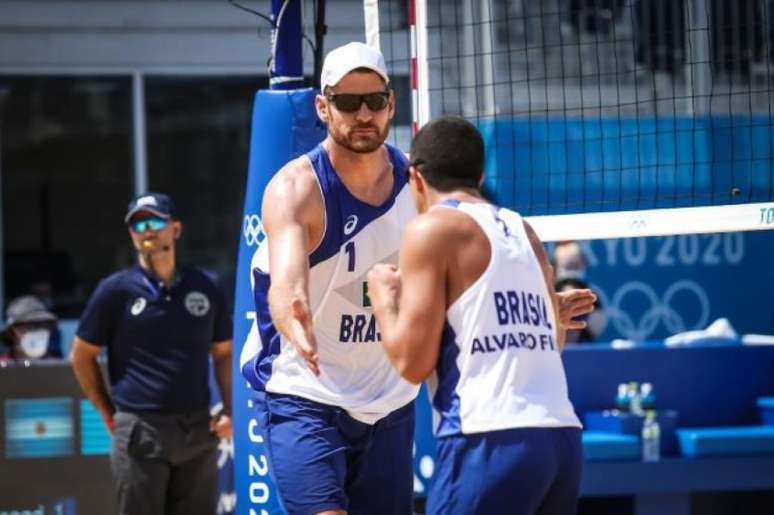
(146, 244)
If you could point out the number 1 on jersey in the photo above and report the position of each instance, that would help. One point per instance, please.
(349, 248)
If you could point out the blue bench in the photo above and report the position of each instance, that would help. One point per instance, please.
(601, 446)
(726, 441)
(766, 407)
(709, 386)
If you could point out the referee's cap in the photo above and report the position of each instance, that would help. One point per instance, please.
(160, 204)
(342, 60)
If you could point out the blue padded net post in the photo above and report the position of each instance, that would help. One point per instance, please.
(284, 126)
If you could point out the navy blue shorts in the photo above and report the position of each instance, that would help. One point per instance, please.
(323, 459)
(514, 471)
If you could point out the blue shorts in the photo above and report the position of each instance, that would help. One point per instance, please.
(323, 459)
(514, 471)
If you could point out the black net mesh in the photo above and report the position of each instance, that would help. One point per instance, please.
(604, 105)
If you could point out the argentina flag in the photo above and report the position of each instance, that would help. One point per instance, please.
(39, 428)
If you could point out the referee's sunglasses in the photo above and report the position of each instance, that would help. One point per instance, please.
(153, 223)
(351, 102)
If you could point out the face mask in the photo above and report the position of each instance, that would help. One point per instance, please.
(570, 273)
(35, 343)
(597, 321)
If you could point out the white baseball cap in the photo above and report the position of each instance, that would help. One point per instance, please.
(342, 60)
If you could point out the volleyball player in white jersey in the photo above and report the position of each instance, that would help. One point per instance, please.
(337, 419)
(473, 302)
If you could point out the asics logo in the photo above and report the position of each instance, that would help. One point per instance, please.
(350, 224)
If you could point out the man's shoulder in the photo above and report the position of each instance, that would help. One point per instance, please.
(437, 229)
(296, 179)
(200, 277)
(293, 191)
(299, 169)
(444, 222)
(113, 288)
(119, 279)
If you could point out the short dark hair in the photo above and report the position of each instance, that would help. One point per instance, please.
(449, 151)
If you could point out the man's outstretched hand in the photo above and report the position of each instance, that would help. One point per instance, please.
(302, 335)
(575, 303)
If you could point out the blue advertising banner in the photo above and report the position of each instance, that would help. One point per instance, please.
(567, 165)
(225, 461)
(652, 288)
(284, 126)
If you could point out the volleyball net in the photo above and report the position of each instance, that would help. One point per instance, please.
(602, 118)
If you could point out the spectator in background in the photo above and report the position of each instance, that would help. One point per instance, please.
(570, 272)
(28, 331)
(569, 260)
(587, 334)
(160, 324)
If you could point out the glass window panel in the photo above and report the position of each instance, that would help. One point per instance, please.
(198, 146)
(66, 177)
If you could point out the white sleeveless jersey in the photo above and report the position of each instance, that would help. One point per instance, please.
(499, 366)
(355, 373)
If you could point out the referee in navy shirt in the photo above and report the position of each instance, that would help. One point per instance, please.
(160, 324)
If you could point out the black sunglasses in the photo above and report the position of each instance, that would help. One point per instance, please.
(351, 102)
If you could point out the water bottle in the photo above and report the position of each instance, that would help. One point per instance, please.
(651, 438)
(635, 402)
(647, 397)
(622, 398)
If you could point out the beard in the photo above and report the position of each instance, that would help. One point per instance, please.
(361, 143)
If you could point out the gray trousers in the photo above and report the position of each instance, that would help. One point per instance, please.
(164, 464)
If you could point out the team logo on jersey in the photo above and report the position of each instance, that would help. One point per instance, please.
(138, 306)
(350, 224)
(197, 303)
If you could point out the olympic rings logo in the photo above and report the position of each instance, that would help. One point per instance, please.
(660, 310)
(639, 222)
(252, 230)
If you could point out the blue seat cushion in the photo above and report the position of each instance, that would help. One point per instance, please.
(726, 441)
(601, 446)
(766, 408)
(626, 423)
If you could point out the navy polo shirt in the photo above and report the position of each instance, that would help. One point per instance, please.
(158, 339)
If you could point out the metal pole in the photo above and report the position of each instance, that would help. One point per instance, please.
(3, 95)
(139, 136)
(287, 65)
(699, 70)
(468, 79)
(487, 57)
(320, 29)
